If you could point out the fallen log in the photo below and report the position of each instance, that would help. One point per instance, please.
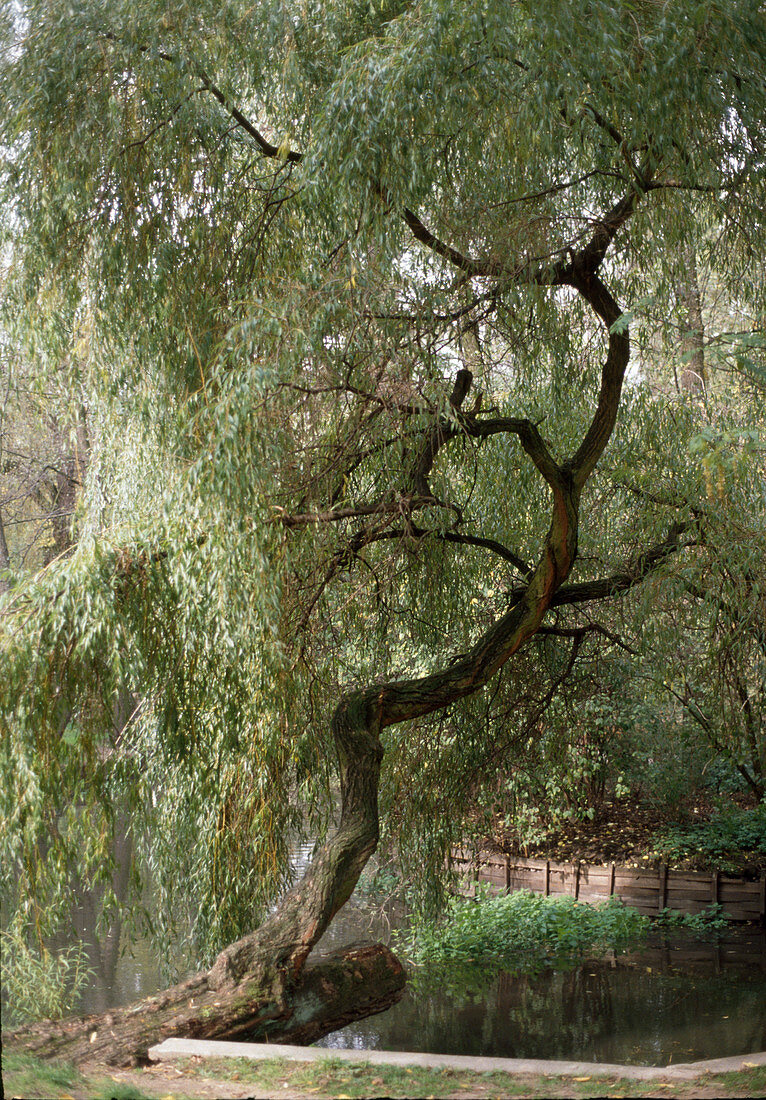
(332, 990)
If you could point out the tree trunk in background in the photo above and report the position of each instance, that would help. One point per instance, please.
(66, 486)
(693, 378)
(5, 561)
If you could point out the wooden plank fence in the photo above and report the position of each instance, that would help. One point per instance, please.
(649, 891)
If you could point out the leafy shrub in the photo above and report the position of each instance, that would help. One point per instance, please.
(716, 841)
(379, 884)
(709, 920)
(41, 984)
(523, 931)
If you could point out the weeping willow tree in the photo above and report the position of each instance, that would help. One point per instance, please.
(348, 287)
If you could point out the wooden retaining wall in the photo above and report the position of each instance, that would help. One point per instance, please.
(649, 891)
(735, 948)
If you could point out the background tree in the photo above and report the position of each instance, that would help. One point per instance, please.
(42, 467)
(353, 283)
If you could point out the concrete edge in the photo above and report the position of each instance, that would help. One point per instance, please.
(198, 1048)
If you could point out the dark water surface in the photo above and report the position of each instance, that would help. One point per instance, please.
(676, 1000)
(628, 1013)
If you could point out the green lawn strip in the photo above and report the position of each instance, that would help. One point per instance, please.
(750, 1081)
(30, 1077)
(586, 1086)
(335, 1077)
(24, 1075)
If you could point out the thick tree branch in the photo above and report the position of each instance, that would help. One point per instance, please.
(586, 261)
(391, 506)
(368, 536)
(268, 150)
(617, 583)
(477, 268)
(612, 374)
(529, 437)
(577, 265)
(409, 699)
(402, 700)
(493, 545)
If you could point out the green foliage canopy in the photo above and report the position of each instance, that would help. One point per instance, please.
(264, 237)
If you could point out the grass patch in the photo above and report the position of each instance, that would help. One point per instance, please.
(337, 1078)
(24, 1075)
(333, 1077)
(30, 1077)
(747, 1082)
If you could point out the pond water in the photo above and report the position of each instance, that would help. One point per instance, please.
(615, 1011)
(676, 1000)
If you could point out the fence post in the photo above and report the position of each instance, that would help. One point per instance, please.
(547, 878)
(507, 874)
(611, 880)
(714, 888)
(577, 880)
(663, 891)
(762, 906)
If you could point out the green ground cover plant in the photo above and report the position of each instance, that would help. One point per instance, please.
(719, 841)
(522, 930)
(711, 920)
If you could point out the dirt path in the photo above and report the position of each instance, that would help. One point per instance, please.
(167, 1081)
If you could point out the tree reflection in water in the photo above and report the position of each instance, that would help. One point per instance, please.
(651, 1008)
